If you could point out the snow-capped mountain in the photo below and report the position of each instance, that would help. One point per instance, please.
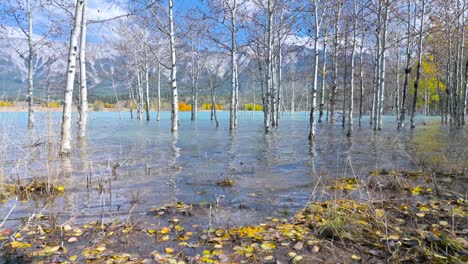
(104, 63)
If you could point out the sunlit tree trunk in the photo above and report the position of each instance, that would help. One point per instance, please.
(324, 76)
(313, 93)
(465, 94)
(279, 85)
(65, 146)
(83, 109)
(397, 92)
(234, 87)
(361, 77)
(345, 78)
(351, 88)
(269, 65)
(159, 93)
(375, 100)
(335, 64)
(147, 93)
(461, 104)
(30, 66)
(408, 52)
(418, 67)
(139, 95)
(382, 67)
(175, 99)
(130, 98)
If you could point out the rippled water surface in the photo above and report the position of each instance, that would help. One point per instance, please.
(272, 174)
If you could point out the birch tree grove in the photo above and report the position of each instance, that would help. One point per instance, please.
(345, 59)
(65, 146)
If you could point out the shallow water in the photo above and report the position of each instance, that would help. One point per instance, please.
(272, 174)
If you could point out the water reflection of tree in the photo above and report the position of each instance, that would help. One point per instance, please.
(176, 168)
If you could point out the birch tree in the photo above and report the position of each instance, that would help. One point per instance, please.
(83, 108)
(408, 53)
(65, 146)
(418, 67)
(353, 51)
(317, 18)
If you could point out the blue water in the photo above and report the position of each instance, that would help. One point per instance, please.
(274, 172)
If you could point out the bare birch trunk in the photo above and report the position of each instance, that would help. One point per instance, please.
(397, 92)
(139, 96)
(175, 99)
(351, 88)
(418, 68)
(361, 77)
(335, 66)
(401, 122)
(313, 93)
(269, 66)
(130, 98)
(234, 96)
(279, 90)
(345, 80)
(159, 93)
(30, 67)
(147, 94)
(83, 113)
(65, 146)
(382, 68)
(324, 77)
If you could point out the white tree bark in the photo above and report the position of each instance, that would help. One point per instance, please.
(82, 123)
(269, 66)
(351, 89)
(234, 87)
(65, 146)
(30, 66)
(324, 76)
(335, 64)
(401, 122)
(382, 67)
(159, 93)
(418, 67)
(175, 99)
(313, 93)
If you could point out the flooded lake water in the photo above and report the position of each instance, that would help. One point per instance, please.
(129, 166)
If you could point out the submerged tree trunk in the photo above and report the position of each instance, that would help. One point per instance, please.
(324, 77)
(345, 79)
(315, 76)
(269, 66)
(382, 68)
(401, 122)
(418, 67)
(130, 98)
(147, 94)
(159, 93)
(65, 146)
(234, 88)
(175, 99)
(30, 67)
(465, 95)
(83, 109)
(279, 88)
(139, 96)
(361, 78)
(335, 65)
(351, 88)
(397, 92)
